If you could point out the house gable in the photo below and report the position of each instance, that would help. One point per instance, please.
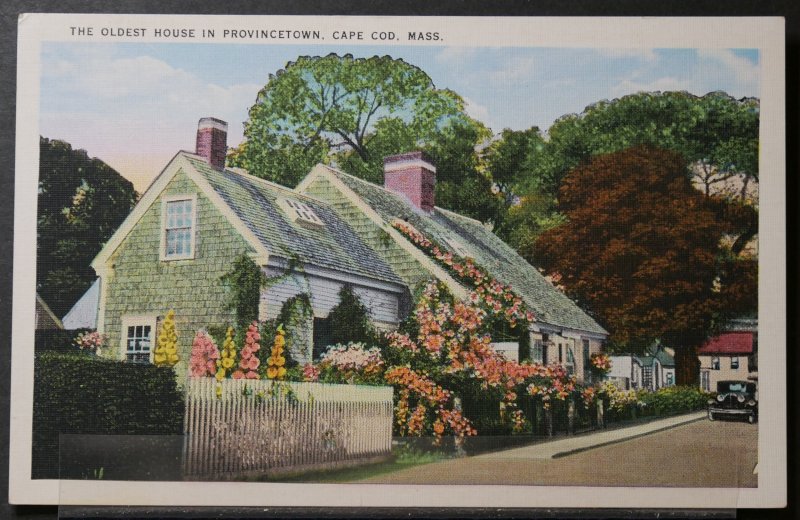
(405, 259)
(181, 163)
(555, 312)
(136, 280)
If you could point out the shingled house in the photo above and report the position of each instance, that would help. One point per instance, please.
(563, 333)
(197, 216)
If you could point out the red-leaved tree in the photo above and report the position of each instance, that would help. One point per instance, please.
(645, 252)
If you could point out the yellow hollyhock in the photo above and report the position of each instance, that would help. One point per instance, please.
(166, 353)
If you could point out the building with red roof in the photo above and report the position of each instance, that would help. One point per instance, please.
(731, 355)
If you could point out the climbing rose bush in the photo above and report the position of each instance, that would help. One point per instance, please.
(203, 360)
(496, 298)
(601, 363)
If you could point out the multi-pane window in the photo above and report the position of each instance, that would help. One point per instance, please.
(735, 362)
(570, 359)
(537, 351)
(178, 229)
(715, 363)
(647, 377)
(303, 213)
(138, 343)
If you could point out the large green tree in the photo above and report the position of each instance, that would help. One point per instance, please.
(353, 112)
(81, 203)
(644, 251)
(716, 135)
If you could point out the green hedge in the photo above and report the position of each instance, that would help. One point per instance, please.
(79, 393)
(672, 399)
(57, 340)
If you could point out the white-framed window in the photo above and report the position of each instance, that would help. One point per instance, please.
(570, 359)
(735, 362)
(715, 363)
(704, 381)
(178, 227)
(301, 212)
(138, 338)
(537, 351)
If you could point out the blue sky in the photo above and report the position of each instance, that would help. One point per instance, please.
(135, 104)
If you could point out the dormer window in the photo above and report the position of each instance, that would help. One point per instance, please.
(301, 213)
(178, 227)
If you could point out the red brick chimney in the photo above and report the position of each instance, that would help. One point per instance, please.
(413, 175)
(212, 141)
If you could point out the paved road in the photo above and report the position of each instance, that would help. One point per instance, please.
(698, 454)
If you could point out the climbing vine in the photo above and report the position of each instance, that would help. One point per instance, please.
(244, 283)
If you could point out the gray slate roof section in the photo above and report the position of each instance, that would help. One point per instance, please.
(548, 304)
(335, 246)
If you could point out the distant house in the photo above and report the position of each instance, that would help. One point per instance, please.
(83, 315)
(731, 355)
(651, 370)
(45, 319)
(332, 230)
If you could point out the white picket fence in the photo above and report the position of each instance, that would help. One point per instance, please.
(261, 427)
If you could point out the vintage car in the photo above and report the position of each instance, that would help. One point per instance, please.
(734, 399)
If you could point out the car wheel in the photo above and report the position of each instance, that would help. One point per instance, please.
(751, 418)
(711, 416)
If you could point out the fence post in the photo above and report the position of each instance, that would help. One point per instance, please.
(548, 420)
(600, 413)
(571, 416)
(458, 442)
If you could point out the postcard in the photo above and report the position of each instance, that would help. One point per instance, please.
(399, 261)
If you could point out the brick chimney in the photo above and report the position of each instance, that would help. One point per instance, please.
(212, 141)
(413, 175)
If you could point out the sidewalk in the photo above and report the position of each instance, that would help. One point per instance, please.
(578, 443)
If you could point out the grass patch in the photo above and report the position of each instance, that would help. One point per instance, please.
(402, 458)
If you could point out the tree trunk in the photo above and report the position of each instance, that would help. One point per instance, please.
(687, 366)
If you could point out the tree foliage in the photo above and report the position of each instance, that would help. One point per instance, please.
(81, 202)
(643, 250)
(716, 135)
(353, 112)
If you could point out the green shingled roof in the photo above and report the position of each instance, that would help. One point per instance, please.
(334, 246)
(549, 304)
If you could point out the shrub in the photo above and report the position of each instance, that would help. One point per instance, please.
(349, 320)
(672, 399)
(81, 394)
(353, 363)
(57, 340)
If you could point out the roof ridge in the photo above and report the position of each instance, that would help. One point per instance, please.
(398, 195)
(451, 212)
(271, 184)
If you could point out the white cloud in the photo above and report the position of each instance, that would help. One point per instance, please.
(455, 54)
(478, 111)
(123, 107)
(520, 70)
(661, 84)
(710, 70)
